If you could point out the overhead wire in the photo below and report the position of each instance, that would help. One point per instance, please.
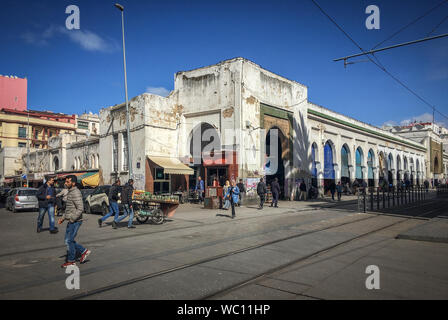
(379, 64)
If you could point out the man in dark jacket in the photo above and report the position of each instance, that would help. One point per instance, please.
(126, 201)
(73, 214)
(47, 198)
(113, 204)
(242, 189)
(261, 191)
(275, 189)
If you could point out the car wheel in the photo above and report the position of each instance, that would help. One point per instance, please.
(87, 208)
(104, 209)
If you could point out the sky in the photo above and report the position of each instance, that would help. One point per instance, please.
(74, 71)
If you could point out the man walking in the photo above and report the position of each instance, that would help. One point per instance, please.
(46, 196)
(275, 189)
(126, 201)
(233, 193)
(242, 189)
(113, 204)
(261, 191)
(332, 190)
(339, 189)
(302, 188)
(200, 189)
(73, 214)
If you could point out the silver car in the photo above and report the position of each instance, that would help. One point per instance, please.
(22, 198)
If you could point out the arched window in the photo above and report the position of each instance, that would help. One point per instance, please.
(370, 161)
(345, 173)
(56, 164)
(313, 159)
(359, 161)
(328, 161)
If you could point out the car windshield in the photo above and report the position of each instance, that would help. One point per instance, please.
(27, 193)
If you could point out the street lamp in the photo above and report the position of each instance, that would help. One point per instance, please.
(121, 8)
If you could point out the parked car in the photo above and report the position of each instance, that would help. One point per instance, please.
(22, 198)
(98, 201)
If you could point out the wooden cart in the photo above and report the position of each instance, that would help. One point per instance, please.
(155, 209)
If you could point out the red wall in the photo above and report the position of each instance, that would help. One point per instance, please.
(13, 93)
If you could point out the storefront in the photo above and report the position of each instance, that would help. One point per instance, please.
(166, 175)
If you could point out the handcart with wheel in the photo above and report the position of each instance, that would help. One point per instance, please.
(156, 208)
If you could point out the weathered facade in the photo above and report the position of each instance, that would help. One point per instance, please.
(218, 121)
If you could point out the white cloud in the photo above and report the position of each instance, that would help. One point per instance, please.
(160, 91)
(88, 40)
(425, 117)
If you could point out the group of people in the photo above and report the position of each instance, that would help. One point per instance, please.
(73, 205)
(262, 190)
(126, 201)
(74, 209)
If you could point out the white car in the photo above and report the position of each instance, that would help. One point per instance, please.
(98, 201)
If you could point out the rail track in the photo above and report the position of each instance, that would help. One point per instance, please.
(118, 285)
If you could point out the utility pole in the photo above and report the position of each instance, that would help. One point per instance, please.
(121, 8)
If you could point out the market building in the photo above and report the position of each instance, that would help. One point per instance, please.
(237, 120)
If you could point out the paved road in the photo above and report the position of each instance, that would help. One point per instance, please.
(302, 250)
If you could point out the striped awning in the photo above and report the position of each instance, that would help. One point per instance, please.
(91, 180)
(171, 165)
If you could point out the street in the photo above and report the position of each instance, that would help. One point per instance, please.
(301, 250)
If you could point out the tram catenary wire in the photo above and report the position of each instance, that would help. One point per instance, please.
(224, 255)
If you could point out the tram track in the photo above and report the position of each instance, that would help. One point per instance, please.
(259, 277)
(198, 224)
(199, 262)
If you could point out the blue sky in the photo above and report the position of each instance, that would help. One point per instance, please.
(74, 71)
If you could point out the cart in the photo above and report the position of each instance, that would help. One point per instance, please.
(156, 209)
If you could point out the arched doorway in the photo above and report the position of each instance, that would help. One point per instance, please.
(345, 160)
(370, 162)
(275, 167)
(359, 162)
(205, 138)
(329, 172)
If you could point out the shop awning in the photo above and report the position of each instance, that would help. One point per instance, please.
(171, 165)
(91, 180)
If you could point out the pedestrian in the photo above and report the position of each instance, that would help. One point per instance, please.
(426, 185)
(339, 189)
(126, 201)
(332, 189)
(113, 204)
(233, 194)
(303, 193)
(73, 214)
(242, 189)
(200, 189)
(261, 191)
(225, 190)
(61, 200)
(46, 196)
(275, 189)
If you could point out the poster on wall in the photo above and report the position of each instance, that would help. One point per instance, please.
(251, 186)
